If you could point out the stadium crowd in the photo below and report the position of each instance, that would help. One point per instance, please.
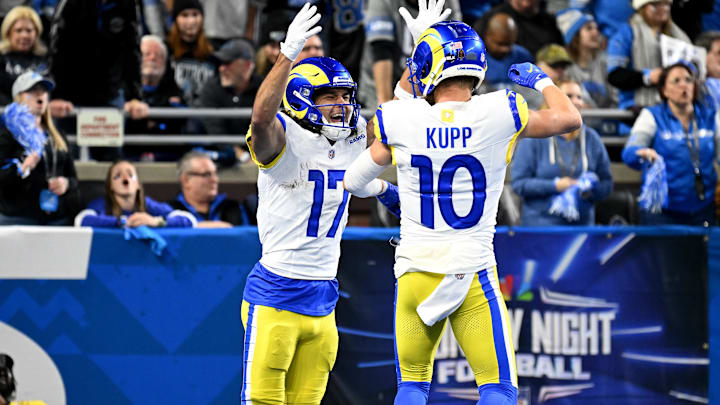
(138, 54)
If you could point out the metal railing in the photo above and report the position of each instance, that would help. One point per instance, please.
(239, 139)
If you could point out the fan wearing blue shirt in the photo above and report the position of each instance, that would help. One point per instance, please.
(199, 194)
(500, 36)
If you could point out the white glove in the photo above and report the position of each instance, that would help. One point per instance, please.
(429, 14)
(300, 29)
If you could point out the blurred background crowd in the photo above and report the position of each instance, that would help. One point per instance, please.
(136, 55)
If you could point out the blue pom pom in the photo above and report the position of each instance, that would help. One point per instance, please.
(21, 123)
(565, 204)
(654, 193)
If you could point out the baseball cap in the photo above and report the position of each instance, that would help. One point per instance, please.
(553, 54)
(235, 49)
(27, 80)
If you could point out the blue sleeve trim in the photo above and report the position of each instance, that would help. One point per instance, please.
(512, 96)
(381, 125)
(282, 121)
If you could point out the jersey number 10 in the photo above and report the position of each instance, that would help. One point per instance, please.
(444, 190)
(334, 177)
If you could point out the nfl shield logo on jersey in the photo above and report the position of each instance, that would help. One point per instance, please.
(331, 153)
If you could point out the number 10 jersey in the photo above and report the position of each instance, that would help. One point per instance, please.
(451, 160)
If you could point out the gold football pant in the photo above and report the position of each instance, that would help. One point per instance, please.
(480, 325)
(287, 356)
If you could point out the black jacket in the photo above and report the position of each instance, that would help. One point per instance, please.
(21, 197)
(12, 65)
(214, 95)
(95, 50)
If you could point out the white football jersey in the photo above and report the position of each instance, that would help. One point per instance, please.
(451, 159)
(302, 206)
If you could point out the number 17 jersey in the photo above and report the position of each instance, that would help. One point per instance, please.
(451, 160)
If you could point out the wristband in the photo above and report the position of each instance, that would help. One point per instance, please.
(543, 83)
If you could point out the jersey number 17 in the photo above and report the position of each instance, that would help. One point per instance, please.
(334, 177)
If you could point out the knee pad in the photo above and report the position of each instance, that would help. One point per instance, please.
(412, 393)
(497, 394)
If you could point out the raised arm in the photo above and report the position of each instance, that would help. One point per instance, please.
(267, 134)
(561, 117)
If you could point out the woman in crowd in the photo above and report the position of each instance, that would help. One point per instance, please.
(634, 62)
(125, 204)
(38, 183)
(21, 49)
(684, 131)
(585, 45)
(545, 168)
(190, 49)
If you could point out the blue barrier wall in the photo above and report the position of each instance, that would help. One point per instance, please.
(601, 315)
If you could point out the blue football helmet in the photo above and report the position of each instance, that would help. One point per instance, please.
(311, 75)
(446, 49)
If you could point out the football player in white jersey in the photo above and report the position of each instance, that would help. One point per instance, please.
(451, 150)
(288, 304)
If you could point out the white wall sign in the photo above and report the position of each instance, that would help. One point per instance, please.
(99, 127)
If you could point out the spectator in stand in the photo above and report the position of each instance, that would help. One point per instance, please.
(158, 85)
(313, 47)
(228, 19)
(545, 168)
(710, 40)
(38, 183)
(343, 34)
(536, 28)
(199, 194)
(234, 86)
(554, 60)
(158, 90)
(500, 38)
(634, 62)
(687, 14)
(126, 205)
(190, 49)
(156, 17)
(93, 58)
(21, 49)
(609, 14)
(272, 34)
(685, 132)
(584, 44)
(388, 44)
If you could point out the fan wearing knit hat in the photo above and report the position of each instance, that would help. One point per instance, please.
(190, 49)
(585, 46)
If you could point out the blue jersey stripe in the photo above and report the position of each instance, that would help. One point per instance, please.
(282, 121)
(498, 331)
(247, 365)
(381, 125)
(512, 96)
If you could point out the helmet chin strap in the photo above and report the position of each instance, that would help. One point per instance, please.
(334, 133)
